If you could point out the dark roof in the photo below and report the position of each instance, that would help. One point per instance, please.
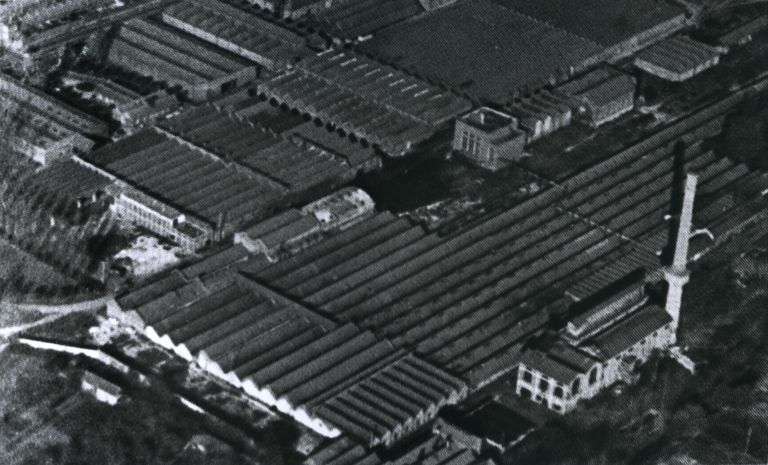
(101, 383)
(489, 53)
(548, 366)
(282, 227)
(630, 331)
(71, 179)
(606, 22)
(601, 87)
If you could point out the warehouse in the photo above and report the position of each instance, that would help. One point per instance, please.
(492, 54)
(601, 95)
(352, 20)
(177, 176)
(328, 377)
(678, 58)
(267, 145)
(169, 55)
(283, 234)
(57, 112)
(44, 130)
(433, 450)
(344, 89)
(237, 31)
(468, 300)
(621, 27)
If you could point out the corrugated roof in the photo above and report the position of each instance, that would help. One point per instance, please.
(630, 331)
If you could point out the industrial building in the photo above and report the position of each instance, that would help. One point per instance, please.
(329, 377)
(606, 343)
(351, 20)
(499, 50)
(435, 449)
(238, 31)
(169, 55)
(285, 233)
(344, 89)
(489, 138)
(169, 175)
(225, 165)
(469, 300)
(43, 128)
(294, 230)
(541, 113)
(678, 58)
(41, 42)
(493, 54)
(341, 209)
(601, 95)
(621, 27)
(744, 33)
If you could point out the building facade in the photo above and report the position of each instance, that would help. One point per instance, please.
(489, 138)
(138, 209)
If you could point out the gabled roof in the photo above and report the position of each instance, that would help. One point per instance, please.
(630, 331)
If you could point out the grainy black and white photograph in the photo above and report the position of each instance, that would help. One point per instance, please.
(383, 232)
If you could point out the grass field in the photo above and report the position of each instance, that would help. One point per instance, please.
(14, 260)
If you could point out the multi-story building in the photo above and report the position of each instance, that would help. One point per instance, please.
(135, 208)
(489, 138)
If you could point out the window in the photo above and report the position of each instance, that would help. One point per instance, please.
(576, 385)
(593, 376)
(527, 377)
(543, 384)
(525, 393)
(464, 140)
(558, 392)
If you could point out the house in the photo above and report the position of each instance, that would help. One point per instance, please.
(489, 138)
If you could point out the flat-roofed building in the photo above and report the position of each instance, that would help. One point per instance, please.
(601, 95)
(489, 138)
(341, 209)
(678, 58)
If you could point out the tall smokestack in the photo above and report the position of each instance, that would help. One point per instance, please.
(677, 274)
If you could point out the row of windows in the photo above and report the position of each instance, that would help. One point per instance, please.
(469, 142)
